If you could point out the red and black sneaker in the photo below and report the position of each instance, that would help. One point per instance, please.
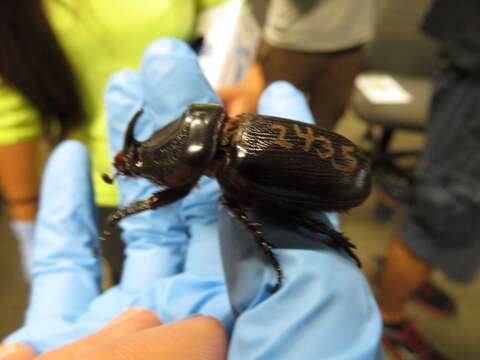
(429, 296)
(403, 342)
(434, 300)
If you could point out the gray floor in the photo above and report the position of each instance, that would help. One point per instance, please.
(457, 336)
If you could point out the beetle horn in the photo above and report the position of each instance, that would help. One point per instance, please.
(129, 139)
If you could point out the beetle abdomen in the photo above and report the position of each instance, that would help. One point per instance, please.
(295, 165)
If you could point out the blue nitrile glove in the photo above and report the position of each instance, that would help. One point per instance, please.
(324, 310)
(65, 272)
(169, 81)
(173, 264)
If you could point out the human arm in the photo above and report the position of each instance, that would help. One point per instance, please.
(243, 97)
(20, 147)
(21, 160)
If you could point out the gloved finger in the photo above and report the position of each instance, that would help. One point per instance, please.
(66, 272)
(284, 100)
(154, 245)
(169, 80)
(308, 264)
(197, 290)
(153, 250)
(172, 66)
(324, 283)
(172, 80)
(200, 211)
(123, 97)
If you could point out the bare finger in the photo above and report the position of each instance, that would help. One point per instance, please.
(194, 338)
(127, 323)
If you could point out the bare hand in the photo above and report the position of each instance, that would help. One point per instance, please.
(138, 334)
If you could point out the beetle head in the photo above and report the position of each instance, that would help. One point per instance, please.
(127, 161)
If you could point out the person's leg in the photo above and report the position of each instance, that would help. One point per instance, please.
(439, 223)
(332, 85)
(296, 67)
(326, 78)
(19, 180)
(402, 274)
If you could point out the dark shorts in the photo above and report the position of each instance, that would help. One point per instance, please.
(442, 223)
(326, 78)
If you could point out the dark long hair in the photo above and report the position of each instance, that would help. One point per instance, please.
(33, 62)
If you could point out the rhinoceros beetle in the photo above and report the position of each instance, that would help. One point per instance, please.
(259, 161)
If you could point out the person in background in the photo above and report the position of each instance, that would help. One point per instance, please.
(440, 228)
(315, 45)
(56, 57)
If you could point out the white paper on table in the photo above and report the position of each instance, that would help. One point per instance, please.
(382, 89)
(231, 38)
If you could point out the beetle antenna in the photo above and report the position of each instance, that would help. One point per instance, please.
(109, 179)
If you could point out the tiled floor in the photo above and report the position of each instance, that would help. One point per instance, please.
(458, 336)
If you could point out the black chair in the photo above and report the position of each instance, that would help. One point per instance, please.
(400, 50)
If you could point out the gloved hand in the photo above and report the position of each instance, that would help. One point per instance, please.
(173, 262)
(324, 309)
(312, 315)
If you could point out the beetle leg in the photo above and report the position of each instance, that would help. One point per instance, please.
(158, 199)
(338, 238)
(266, 246)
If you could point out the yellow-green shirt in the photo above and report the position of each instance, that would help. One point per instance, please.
(99, 37)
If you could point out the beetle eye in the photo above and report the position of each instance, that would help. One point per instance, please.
(119, 163)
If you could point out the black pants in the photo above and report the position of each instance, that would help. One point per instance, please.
(327, 78)
(442, 224)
